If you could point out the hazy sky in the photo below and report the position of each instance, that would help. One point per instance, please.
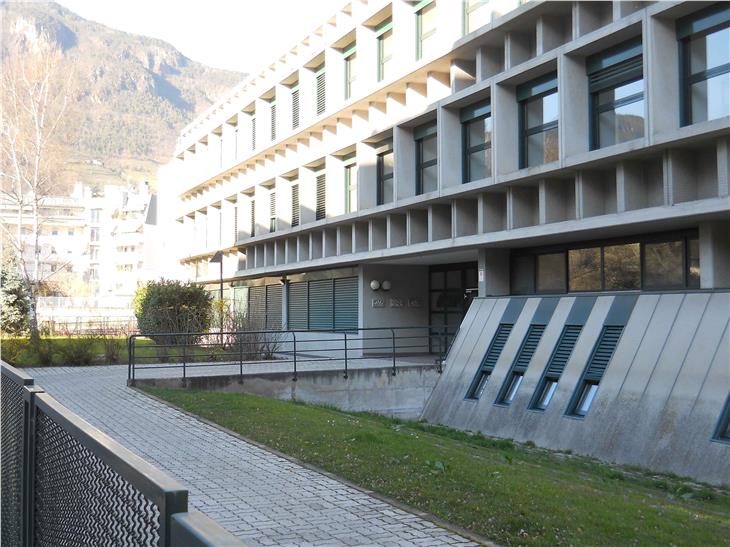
(238, 35)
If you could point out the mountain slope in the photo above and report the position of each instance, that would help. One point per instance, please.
(134, 93)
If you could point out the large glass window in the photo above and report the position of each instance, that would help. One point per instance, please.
(476, 14)
(477, 133)
(655, 262)
(384, 34)
(539, 121)
(385, 176)
(616, 84)
(425, 29)
(426, 159)
(705, 60)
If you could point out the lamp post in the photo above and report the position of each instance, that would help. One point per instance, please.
(218, 257)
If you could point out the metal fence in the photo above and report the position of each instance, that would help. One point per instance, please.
(64, 482)
(262, 348)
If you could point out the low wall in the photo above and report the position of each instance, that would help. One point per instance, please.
(364, 390)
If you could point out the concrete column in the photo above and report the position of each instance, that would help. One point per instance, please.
(404, 155)
(335, 82)
(367, 55)
(494, 274)
(715, 254)
(573, 123)
(661, 75)
(449, 148)
(404, 34)
(366, 176)
(335, 195)
(505, 127)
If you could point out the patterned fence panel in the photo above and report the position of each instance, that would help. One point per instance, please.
(66, 483)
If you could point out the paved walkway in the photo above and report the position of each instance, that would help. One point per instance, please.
(258, 496)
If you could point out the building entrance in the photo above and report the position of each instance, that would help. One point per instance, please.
(452, 287)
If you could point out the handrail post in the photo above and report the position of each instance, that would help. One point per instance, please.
(294, 337)
(392, 332)
(345, 354)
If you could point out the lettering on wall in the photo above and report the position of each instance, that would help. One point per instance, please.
(378, 302)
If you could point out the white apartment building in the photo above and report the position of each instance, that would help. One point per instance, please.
(564, 165)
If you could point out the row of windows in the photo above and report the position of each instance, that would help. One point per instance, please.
(587, 387)
(658, 262)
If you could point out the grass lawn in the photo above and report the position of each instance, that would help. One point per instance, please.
(511, 494)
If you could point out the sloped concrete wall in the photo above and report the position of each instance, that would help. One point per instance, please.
(658, 402)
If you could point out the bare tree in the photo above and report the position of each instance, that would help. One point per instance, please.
(34, 99)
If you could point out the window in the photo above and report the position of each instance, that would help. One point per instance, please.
(94, 234)
(70, 231)
(295, 106)
(321, 196)
(385, 176)
(616, 85)
(476, 125)
(595, 369)
(705, 63)
(538, 121)
(321, 91)
(426, 158)
(652, 262)
(295, 205)
(323, 304)
(722, 432)
(350, 186)
(384, 36)
(476, 14)
(555, 366)
(350, 55)
(425, 28)
(94, 253)
(272, 211)
(272, 131)
(95, 215)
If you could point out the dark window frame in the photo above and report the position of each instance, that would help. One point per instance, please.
(420, 36)
(536, 89)
(350, 57)
(381, 177)
(349, 165)
(380, 35)
(421, 133)
(475, 113)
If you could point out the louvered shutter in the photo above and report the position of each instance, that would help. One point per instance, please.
(321, 207)
(321, 102)
(253, 218)
(346, 303)
(273, 306)
(273, 121)
(256, 308)
(495, 347)
(272, 211)
(602, 352)
(295, 205)
(321, 304)
(295, 107)
(298, 305)
(235, 223)
(527, 350)
(253, 133)
(563, 350)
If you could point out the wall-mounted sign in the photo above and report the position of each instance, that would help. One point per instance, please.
(378, 302)
(396, 302)
(415, 303)
(481, 275)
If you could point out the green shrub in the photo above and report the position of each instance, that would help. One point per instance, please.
(29, 356)
(77, 351)
(168, 306)
(10, 348)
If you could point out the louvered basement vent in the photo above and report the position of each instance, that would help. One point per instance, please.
(295, 205)
(490, 359)
(321, 210)
(603, 352)
(527, 350)
(563, 350)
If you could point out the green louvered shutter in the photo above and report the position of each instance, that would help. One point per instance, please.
(257, 308)
(602, 352)
(346, 303)
(321, 205)
(273, 306)
(562, 351)
(321, 304)
(298, 305)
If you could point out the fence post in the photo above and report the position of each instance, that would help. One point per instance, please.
(294, 336)
(171, 502)
(392, 332)
(345, 354)
(28, 476)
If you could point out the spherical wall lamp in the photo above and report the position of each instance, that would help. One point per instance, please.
(375, 285)
(385, 285)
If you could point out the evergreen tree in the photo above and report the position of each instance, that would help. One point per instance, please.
(14, 305)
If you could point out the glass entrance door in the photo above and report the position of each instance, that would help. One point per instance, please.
(451, 290)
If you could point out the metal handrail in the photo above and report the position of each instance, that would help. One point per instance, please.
(291, 345)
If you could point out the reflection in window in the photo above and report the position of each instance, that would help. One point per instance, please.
(584, 269)
(693, 263)
(522, 274)
(426, 159)
(477, 134)
(705, 38)
(546, 394)
(384, 34)
(425, 30)
(663, 265)
(385, 177)
(551, 272)
(539, 114)
(585, 399)
(622, 267)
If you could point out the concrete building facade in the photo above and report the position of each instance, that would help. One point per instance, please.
(408, 159)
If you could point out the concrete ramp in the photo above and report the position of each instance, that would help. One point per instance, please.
(660, 364)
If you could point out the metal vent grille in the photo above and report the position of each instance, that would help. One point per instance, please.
(563, 350)
(11, 407)
(346, 303)
(273, 306)
(295, 205)
(257, 308)
(490, 359)
(529, 345)
(603, 352)
(321, 207)
(298, 305)
(79, 500)
(321, 304)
